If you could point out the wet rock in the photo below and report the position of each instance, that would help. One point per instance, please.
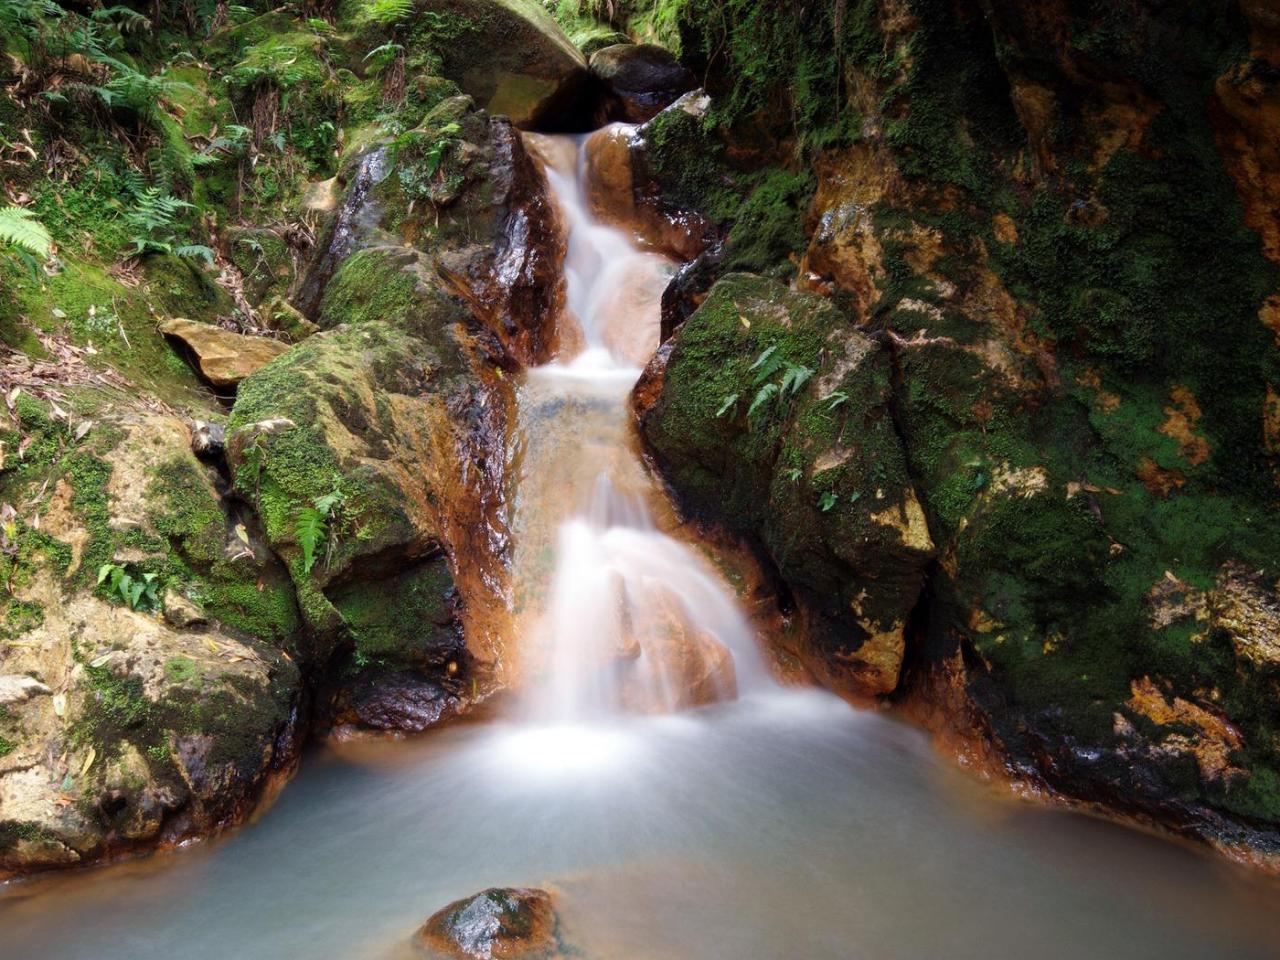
(398, 416)
(773, 417)
(618, 194)
(222, 357)
(208, 440)
(513, 58)
(641, 79)
(480, 212)
(660, 661)
(511, 923)
(394, 700)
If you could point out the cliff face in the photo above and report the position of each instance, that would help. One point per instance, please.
(1059, 220)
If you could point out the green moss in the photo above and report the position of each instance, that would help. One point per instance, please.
(408, 619)
(369, 286)
(768, 228)
(181, 670)
(7, 746)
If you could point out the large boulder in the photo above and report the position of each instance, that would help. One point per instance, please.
(501, 923)
(372, 452)
(641, 79)
(461, 188)
(513, 58)
(767, 413)
(147, 695)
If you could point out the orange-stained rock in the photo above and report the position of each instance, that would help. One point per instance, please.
(618, 194)
(501, 923)
(678, 665)
(223, 358)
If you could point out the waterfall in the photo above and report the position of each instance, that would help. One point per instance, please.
(624, 618)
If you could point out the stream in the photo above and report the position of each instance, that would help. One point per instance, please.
(679, 803)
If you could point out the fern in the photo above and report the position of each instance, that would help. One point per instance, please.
(195, 251)
(763, 396)
(794, 379)
(312, 526)
(728, 403)
(19, 228)
(309, 528)
(385, 12)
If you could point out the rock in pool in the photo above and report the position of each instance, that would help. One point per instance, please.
(501, 923)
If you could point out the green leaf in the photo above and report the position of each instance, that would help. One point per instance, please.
(20, 228)
(795, 378)
(765, 394)
(826, 501)
(729, 401)
(196, 251)
(766, 365)
(837, 399)
(309, 527)
(104, 571)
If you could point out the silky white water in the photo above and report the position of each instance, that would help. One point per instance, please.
(631, 620)
(780, 825)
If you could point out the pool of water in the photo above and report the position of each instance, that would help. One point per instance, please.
(786, 825)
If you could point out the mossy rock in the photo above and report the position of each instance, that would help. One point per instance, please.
(510, 55)
(773, 418)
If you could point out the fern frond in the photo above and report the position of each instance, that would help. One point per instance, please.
(308, 527)
(195, 251)
(20, 228)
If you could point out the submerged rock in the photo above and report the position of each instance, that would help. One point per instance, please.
(222, 357)
(641, 79)
(501, 923)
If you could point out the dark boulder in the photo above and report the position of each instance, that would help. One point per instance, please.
(641, 79)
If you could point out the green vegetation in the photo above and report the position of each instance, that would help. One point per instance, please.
(136, 590)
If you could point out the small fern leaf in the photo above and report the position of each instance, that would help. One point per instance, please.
(19, 228)
(308, 527)
(766, 393)
(196, 251)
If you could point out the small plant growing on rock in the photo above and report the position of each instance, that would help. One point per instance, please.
(134, 590)
(766, 366)
(312, 527)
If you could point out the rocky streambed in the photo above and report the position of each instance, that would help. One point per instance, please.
(986, 433)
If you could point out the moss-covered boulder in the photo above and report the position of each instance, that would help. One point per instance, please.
(461, 188)
(768, 414)
(147, 694)
(372, 453)
(510, 55)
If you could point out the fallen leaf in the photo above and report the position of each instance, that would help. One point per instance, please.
(60, 704)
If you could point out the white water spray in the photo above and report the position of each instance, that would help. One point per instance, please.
(632, 620)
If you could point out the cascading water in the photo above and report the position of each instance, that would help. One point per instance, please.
(632, 619)
(782, 825)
